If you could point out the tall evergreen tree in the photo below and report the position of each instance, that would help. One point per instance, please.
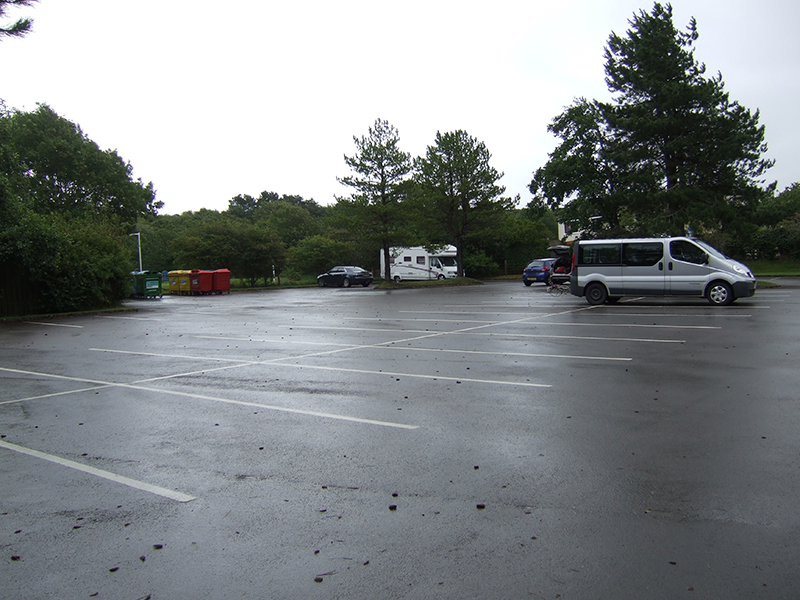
(683, 154)
(586, 175)
(458, 188)
(20, 27)
(380, 170)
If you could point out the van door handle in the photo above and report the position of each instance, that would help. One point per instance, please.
(670, 266)
(660, 266)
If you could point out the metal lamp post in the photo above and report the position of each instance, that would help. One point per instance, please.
(139, 243)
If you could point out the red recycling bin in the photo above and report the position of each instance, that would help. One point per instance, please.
(200, 282)
(221, 281)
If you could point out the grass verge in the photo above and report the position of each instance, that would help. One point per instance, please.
(404, 285)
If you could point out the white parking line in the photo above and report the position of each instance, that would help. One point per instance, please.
(504, 335)
(417, 376)
(54, 376)
(641, 325)
(538, 323)
(53, 395)
(133, 318)
(204, 313)
(389, 319)
(716, 314)
(54, 324)
(279, 362)
(137, 386)
(391, 345)
(276, 340)
(238, 361)
(139, 485)
(296, 411)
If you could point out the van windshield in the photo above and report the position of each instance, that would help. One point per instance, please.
(709, 248)
(448, 261)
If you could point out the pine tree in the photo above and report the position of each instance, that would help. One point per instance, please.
(381, 169)
(676, 152)
(20, 27)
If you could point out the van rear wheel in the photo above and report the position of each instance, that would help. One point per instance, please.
(720, 293)
(596, 293)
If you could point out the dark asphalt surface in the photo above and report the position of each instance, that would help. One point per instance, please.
(482, 442)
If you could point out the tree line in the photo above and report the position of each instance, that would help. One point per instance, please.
(670, 154)
(272, 237)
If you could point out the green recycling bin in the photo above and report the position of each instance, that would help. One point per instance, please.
(151, 284)
(147, 284)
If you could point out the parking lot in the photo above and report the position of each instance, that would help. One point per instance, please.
(458, 442)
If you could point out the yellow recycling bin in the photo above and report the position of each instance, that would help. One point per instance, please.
(179, 282)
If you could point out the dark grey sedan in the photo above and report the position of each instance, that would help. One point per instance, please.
(345, 277)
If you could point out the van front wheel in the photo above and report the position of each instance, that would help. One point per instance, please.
(720, 293)
(596, 293)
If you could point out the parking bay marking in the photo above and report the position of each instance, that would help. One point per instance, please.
(133, 318)
(505, 335)
(54, 394)
(523, 321)
(393, 345)
(276, 362)
(706, 315)
(134, 483)
(138, 386)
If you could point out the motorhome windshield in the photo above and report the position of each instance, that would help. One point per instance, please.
(448, 261)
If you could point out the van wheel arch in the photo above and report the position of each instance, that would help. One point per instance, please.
(720, 293)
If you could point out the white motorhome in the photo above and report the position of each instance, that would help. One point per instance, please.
(417, 263)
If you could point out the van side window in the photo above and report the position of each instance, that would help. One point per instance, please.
(420, 260)
(407, 259)
(644, 254)
(599, 254)
(687, 252)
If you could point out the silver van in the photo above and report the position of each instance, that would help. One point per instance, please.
(606, 270)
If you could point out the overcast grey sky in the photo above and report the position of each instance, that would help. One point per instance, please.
(209, 99)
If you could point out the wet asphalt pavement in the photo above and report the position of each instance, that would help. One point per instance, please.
(482, 442)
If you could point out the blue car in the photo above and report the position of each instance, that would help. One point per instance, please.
(538, 270)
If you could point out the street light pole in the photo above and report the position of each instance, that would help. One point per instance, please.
(139, 243)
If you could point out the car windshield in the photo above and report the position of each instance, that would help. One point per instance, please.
(536, 263)
(709, 248)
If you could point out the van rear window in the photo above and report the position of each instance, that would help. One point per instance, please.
(599, 254)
